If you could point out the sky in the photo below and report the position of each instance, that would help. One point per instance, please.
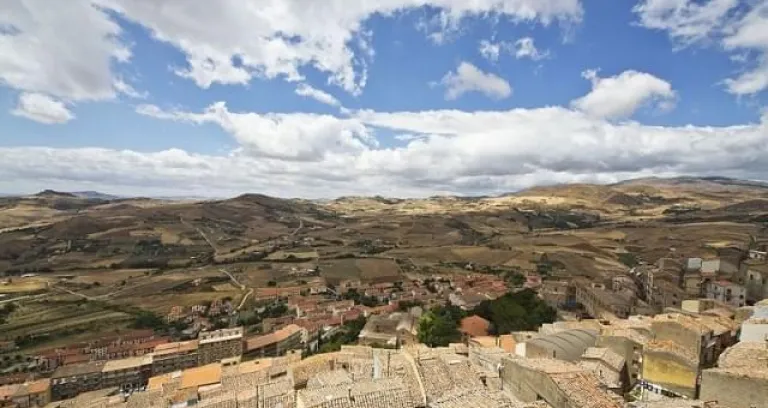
(408, 98)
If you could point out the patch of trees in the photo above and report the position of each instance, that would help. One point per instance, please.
(628, 259)
(360, 298)
(346, 335)
(440, 326)
(520, 311)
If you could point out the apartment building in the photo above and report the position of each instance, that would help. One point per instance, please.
(71, 380)
(275, 344)
(175, 356)
(217, 345)
(128, 373)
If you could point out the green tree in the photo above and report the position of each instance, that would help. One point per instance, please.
(516, 311)
(148, 320)
(437, 330)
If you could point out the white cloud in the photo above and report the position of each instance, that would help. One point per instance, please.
(490, 50)
(292, 137)
(621, 95)
(522, 48)
(686, 21)
(451, 151)
(42, 108)
(317, 94)
(739, 27)
(128, 90)
(63, 49)
(468, 78)
(525, 48)
(275, 38)
(750, 33)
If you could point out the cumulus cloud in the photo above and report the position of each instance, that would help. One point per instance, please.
(446, 151)
(63, 49)
(42, 108)
(275, 38)
(739, 27)
(469, 78)
(622, 95)
(522, 48)
(317, 94)
(686, 21)
(290, 137)
(525, 48)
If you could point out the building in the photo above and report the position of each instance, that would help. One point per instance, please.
(474, 326)
(754, 276)
(175, 356)
(128, 373)
(608, 366)
(71, 380)
(558, 294)
(672, 367)
(275, 344)
(32, 394)
(560, 384)
(727, 292)
(568, 345)
(741, 378)
(755, 328)
(218, 345)
(392, 330)
(601, 303)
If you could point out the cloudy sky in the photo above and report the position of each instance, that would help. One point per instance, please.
(324, 98)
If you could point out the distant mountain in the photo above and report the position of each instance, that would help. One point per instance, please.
(53, 193)
(95, 195)
(687, 180)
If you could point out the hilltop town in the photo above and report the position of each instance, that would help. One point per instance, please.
(647, 293)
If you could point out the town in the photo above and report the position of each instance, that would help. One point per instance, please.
(681, 332)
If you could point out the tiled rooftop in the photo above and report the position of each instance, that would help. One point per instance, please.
(608, 356)
(582, 391)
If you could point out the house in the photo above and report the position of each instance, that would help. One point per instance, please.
(474, 326)
(218, 345)
(275, 344)
(393, 330)
(727, 292)
(608, 366)
(170, 357)
(128, 373)
(32, 394)
(70, 380)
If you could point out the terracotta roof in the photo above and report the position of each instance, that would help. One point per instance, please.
(176, 347)
(127, 363)
(608, 356)
(205, 375)
(475, 326)
(258, 342)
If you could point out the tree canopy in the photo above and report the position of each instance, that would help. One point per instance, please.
(440, 326)
(515, 312)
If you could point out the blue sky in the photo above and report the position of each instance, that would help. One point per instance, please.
(140, 98)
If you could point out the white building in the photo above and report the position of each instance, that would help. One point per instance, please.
(727, 292)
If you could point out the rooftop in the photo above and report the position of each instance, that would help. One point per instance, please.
(671, 347)
(176, 347)
(91, 367)
(608, 356)
(258, 342)
(475, 326)
(205, 375)
(127, 363)
(582, 390)
(745, 354)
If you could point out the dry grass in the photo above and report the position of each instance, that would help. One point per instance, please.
(373, 269)
(22, 285)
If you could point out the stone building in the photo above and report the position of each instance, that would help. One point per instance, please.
(608, 366)
(69, 381)
(600, 302)
(741, 378)
(128, 373)
(175, 356)
(672, 367)
(218, 345)
(275, 344)
(32, 394)
(566, 345)
(729, 293)
(393, 330)
(560, 384)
